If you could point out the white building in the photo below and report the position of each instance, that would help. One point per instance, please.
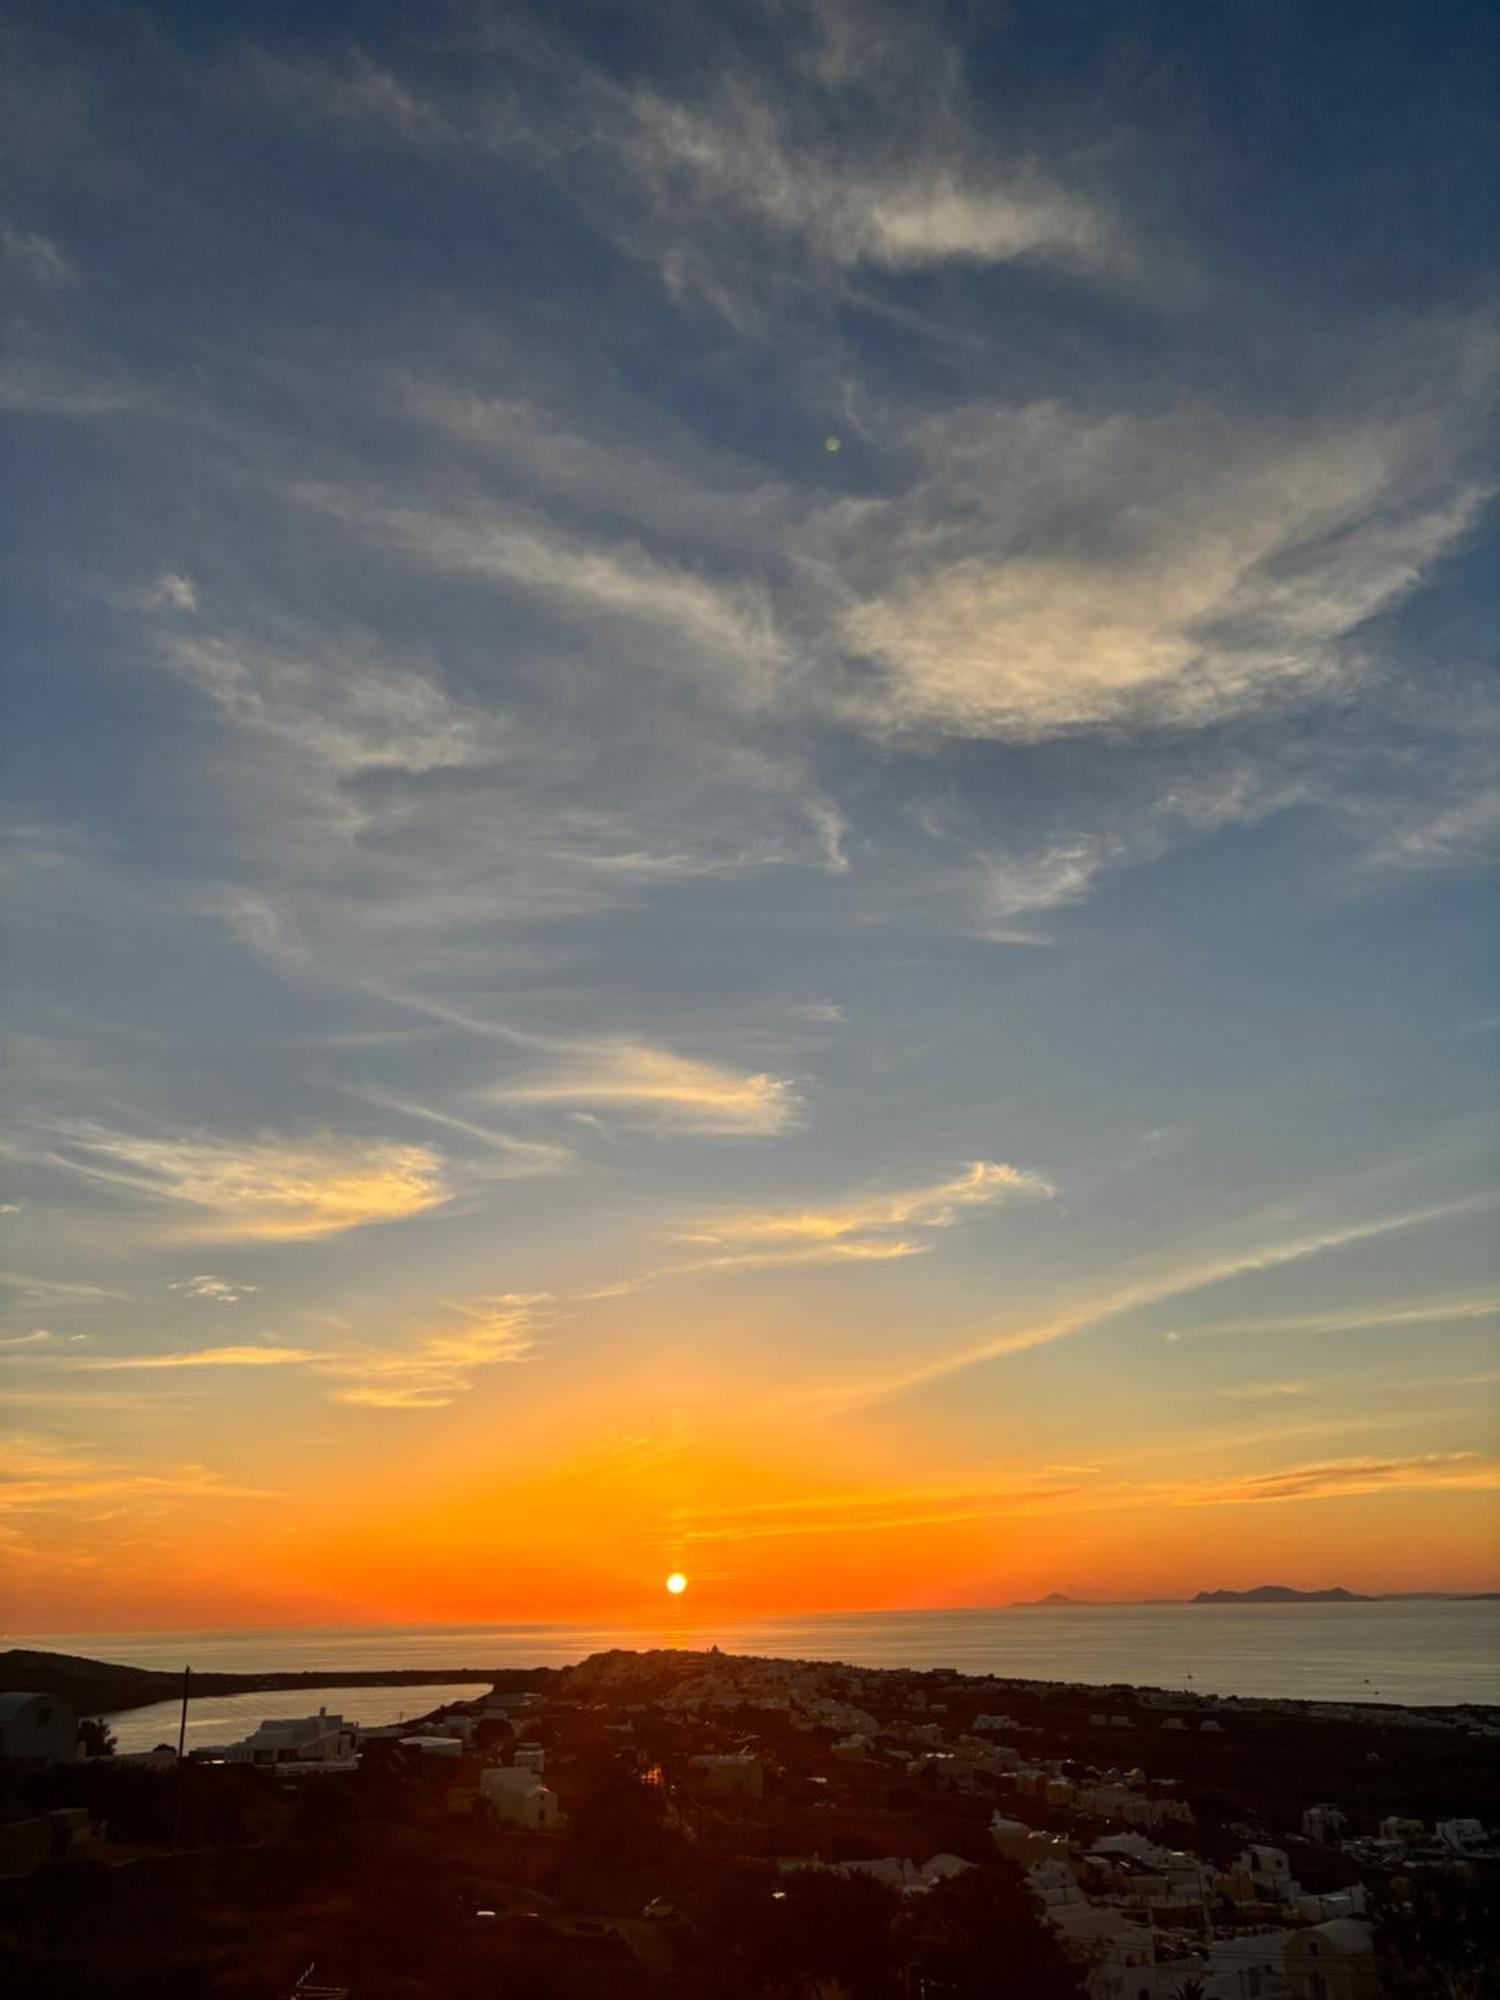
(299, 1739)
(1332, 1961)
(519, 1798)
(1053, 1883)
(433, 1746)
(1251, 1966)
(1119, 1952)
(530, 1757)
(38, 1729)
(1269, 1872)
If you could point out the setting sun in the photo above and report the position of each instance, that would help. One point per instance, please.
(677, 1583)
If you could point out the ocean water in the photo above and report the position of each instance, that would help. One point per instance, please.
(1411, 1653)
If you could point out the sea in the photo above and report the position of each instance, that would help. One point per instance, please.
(1416, 1653)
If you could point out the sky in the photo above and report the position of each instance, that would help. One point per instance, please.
(749, 768)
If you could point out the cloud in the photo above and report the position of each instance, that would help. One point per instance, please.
(1448, 828)
(439, 1366)
(915, 208)
(169, 592)
(869, 1513)
(1433, 1471)
(1261, 1392)
(268, 1188)
(1019, 598)
(347, 702)
(1097, 1309)
(516, 1159)
(1353, 1319)
(35, 257)
(36, 1472)
(983, 1184)
(658, 1088)
(421, 1370)
(33, 1291)
(219, 1290)
(724, 625)
(357, 92)
(210, 1357)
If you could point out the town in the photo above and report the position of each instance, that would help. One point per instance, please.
(675, 1822)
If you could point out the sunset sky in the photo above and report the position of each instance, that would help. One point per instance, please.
(750, 752)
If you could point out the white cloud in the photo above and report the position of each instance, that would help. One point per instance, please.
(1154, 1287)
(348, 703)
(437, 1366)
(269, 1187)
(983, 1184)
(34, 256)
(219, 1291)
(170, 592)
(1050, 574)
(660, 1089)
(724, 624)
(39, 1473)
(920, 205)
(208, 1357)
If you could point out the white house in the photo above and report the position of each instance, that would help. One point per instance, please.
(1332, 1961)
(38, 1729)
(1250, 1966)
(1118, 1952)
(1053, 1883)
(299, 1739)
(519, 1798)
(433, 1746)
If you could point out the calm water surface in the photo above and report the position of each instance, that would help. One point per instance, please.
(1411, 1653)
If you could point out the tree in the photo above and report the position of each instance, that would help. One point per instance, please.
(95, 1737)
(1442, 1942)
(982, 1933)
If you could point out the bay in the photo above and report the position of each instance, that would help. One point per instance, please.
(1413, 1653)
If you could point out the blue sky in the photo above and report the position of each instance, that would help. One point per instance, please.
(750, 729)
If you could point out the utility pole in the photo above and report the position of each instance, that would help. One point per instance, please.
(187, 1679)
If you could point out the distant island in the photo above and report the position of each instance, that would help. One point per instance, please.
(1281, 1593)
(1053, 1597)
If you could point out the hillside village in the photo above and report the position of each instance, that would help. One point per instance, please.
(661, 1813)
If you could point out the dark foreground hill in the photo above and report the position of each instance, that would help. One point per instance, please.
(96, 1687)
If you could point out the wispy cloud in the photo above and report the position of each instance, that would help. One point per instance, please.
(939, 1205)
(423, 1368)
(209, 1357)
(218, 1291)
(437, 1366)
(270, 1187)
(725, 625)
(1243, 569)
(39, 1473)
(1433, 1471)
(870, 1512)
(1440, 1311)
(661, 1089)
(924, 207)
(344, 700)
(1154, 1288)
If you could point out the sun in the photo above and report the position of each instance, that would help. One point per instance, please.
(677, 1583)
